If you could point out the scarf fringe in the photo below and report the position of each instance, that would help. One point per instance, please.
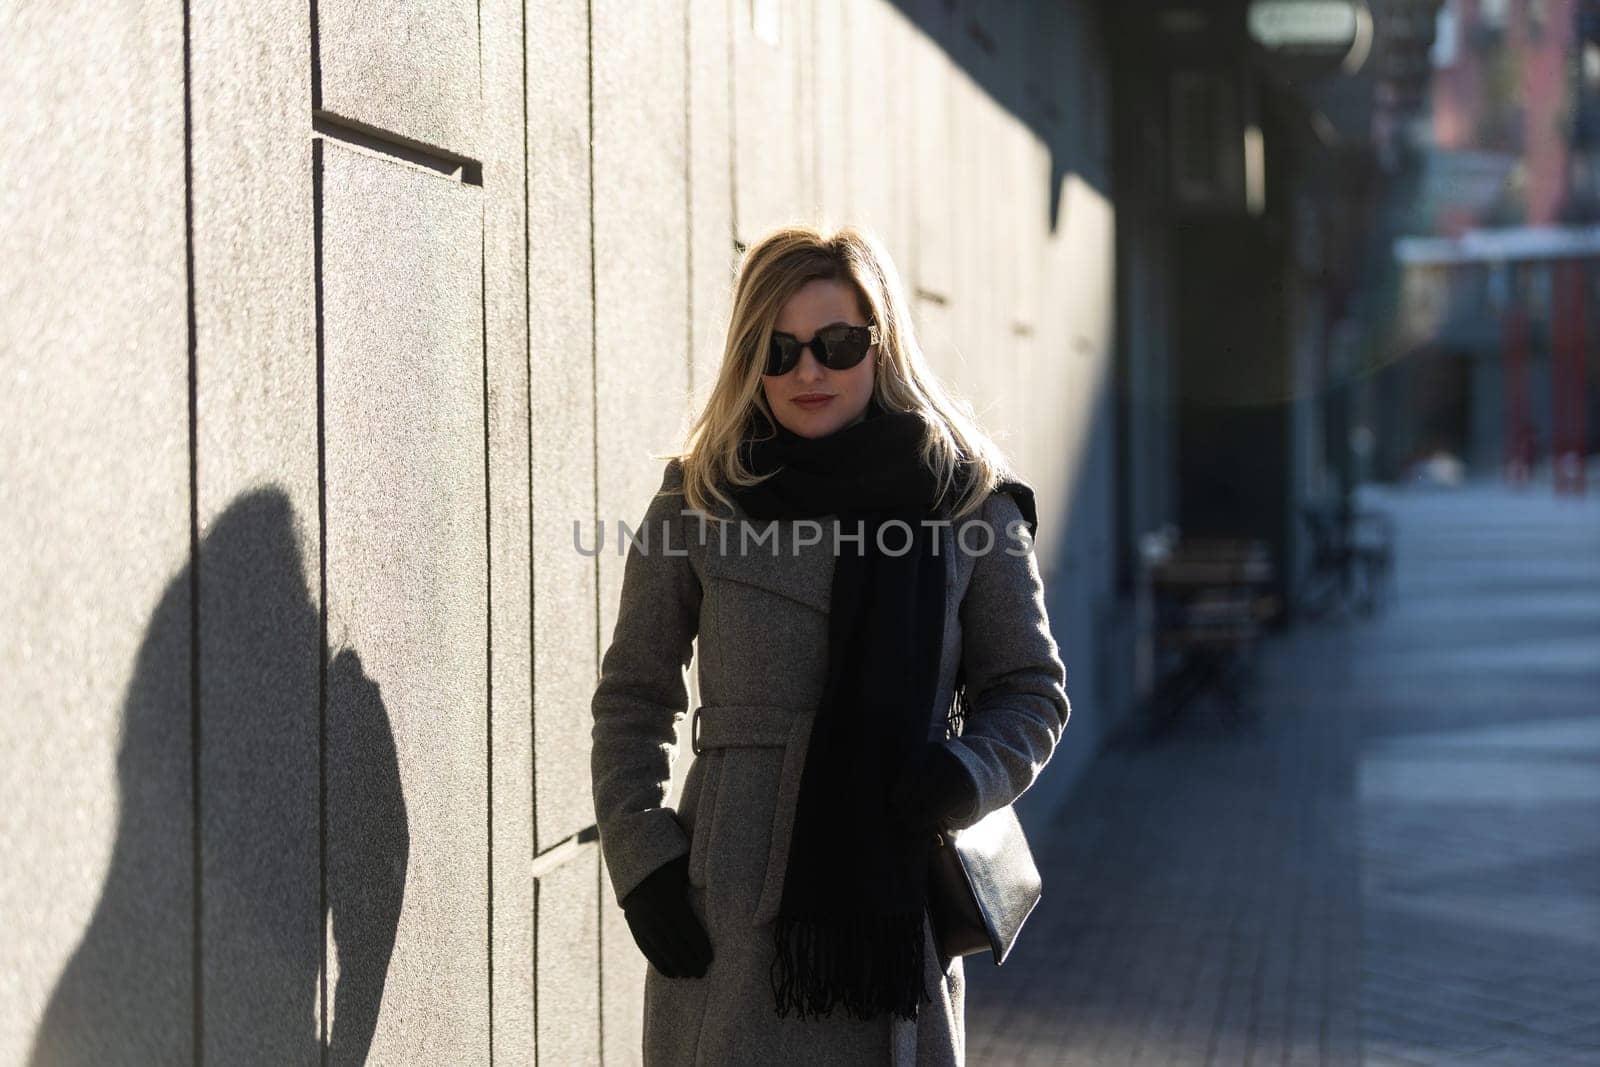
(867, 964)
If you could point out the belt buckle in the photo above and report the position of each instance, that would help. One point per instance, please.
(694, 732)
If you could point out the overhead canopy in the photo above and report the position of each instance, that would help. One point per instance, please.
(1501, 244)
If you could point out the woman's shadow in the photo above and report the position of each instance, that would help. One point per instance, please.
(273, 859)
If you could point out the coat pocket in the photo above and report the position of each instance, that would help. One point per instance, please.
(705, 810)
(735, 840)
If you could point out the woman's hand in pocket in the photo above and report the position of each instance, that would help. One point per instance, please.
(664, 924)
(932, 788)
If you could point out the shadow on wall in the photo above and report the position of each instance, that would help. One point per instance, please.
(127, 993)
(1043, 64)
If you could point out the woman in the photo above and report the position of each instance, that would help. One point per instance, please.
(841, 538)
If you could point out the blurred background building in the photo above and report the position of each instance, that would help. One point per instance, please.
(1493, 345)
(323, 326)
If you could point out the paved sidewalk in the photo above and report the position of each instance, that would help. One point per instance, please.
(1479, 788)
(1402, 866)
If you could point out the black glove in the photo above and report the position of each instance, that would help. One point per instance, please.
(664, 925)
(933, 787)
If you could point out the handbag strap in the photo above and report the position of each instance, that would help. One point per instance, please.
(960, 707)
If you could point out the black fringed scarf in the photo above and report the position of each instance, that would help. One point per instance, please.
(849, 927)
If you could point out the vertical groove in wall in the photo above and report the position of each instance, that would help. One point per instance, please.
(488, 588)
(594, 337)
(316, 60)
(880, 55)
(322, 596)
(948, 149)
(688, 201)
(536, 1043)
(905, 95)
(533, 632)
(196, 874)
(733, 126)
(893, 57)
(806, 59)
(594, 447)
(322, 553)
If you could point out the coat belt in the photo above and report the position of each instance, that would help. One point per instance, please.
(741, 725)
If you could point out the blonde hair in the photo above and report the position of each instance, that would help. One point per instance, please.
(773, 270)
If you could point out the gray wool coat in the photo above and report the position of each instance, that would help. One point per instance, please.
(761, 622)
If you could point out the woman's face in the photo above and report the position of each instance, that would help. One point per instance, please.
(820, 302)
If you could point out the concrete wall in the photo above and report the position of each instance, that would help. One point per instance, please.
(320, 328)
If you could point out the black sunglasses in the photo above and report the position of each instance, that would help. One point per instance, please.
(837, 347)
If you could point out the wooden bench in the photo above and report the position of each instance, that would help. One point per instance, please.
(1208, 600)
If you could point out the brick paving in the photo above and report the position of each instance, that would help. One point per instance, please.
(1400, 865)
(1479, 788)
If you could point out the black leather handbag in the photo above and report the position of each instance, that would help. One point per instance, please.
(982, 881)
(982, 885)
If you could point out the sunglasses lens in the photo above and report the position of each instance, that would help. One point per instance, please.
(845, 345)
(781, 355)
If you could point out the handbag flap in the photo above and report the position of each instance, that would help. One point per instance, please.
(1000, 869)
